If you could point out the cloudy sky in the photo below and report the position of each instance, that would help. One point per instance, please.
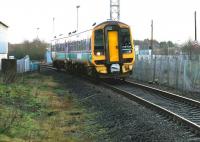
(173, 19)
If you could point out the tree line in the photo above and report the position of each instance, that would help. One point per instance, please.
(169, 48)
(35, 49)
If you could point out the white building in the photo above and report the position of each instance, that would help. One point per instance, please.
(3, 42)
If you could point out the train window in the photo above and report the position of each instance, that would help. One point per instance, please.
(70, 46)
(110, 28)
(57, 47)
(125, 38)
(79, 45)
(63, 47)
(83, 44)
(98, 40)
(60, 47)
(66, 46)
(51, 47)
(88, 44)
(73, 46)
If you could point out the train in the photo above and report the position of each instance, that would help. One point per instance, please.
(105, 51)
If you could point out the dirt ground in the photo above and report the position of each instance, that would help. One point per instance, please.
(64, 107)
(121, 119)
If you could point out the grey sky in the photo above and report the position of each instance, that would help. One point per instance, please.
(173, 19)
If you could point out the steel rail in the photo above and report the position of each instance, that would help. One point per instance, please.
(166, 94)
(159, 109)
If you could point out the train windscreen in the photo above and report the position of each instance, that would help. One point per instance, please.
(98, 42)
(125, 40)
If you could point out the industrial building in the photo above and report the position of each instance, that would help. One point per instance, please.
(3, 42)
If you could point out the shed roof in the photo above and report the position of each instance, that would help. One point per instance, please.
(3, 24)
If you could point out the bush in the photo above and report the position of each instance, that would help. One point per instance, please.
(35, 49)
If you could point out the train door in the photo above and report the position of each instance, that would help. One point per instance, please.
(113, 46)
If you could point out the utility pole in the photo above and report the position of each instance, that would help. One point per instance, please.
(152, 37)
(77, 7)
(195, 24)
(153, 52)
(115, 10)
(37, 29)
(53, 32)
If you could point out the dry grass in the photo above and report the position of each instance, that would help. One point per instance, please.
(58, 119)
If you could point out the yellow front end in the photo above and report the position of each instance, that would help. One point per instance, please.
(111, 59)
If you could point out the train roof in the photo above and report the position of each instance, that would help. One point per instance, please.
(110, 23)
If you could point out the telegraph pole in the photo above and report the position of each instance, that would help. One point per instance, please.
(151, 37)
(115, 10)
(153, 52)
(78, 6)
(53, 32)
(195, 24)
(37, 30)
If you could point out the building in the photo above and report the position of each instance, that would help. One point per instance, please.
(3, 42)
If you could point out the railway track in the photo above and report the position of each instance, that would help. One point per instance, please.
(47, 66)
(180, 109)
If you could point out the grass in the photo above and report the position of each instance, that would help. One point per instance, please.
(38, 108)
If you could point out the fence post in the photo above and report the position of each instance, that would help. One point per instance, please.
(176, 72)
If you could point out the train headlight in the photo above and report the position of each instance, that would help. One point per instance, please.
(127, 51)
(130, 67)
(98, 53)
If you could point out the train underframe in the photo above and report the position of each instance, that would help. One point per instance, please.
(88, 69)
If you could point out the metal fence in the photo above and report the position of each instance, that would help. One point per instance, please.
(26, 65)
(23, 65)
(174, 71)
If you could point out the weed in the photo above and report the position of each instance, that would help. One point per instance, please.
(39, 108)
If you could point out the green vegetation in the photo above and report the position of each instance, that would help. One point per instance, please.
(169, 48)
(35, 49)
(38, 108)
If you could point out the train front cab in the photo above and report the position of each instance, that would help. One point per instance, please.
(113, 51)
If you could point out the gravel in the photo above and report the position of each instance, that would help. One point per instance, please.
(123, 120)
(192, 95)
(185, 110)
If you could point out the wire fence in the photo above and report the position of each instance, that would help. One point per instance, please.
(176, 71)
